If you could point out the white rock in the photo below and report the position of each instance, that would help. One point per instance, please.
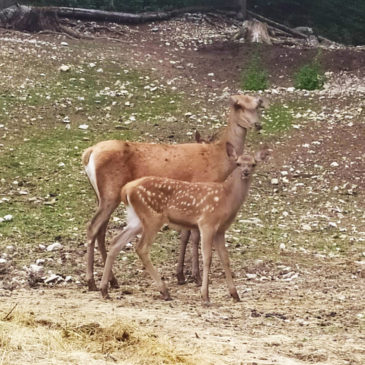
(3, 261)
(83, 126)
(54, 246)
(306, 227)
(64, 68)
(65, 44)
(274, 181)
(251, 276)
(53, 278)
(334, 164)
(40, 261)
(92, 64)
(36, 269)
(8, 218)
(282, 246)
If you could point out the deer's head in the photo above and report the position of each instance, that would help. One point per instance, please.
(246, 110)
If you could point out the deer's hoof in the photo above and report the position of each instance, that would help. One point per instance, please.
(114, 283)
(181, 279)
(91, 285)
(197, 280)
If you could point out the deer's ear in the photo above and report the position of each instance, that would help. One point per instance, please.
(198, 137)
(231, 152)
(263, 154)
(235, 101)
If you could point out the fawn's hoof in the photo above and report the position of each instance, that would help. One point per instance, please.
(235, 296)
(206, 303)
(166, 295)
(104, 293)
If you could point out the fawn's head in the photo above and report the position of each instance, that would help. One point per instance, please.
(246, 163)
(246, 110)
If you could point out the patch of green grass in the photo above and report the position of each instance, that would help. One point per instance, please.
(309, 76)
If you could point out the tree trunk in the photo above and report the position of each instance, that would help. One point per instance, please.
(242, 9)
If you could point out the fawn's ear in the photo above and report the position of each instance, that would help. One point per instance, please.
(263, 154)
(231, 152)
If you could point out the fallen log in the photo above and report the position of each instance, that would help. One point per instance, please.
(129, 18)
(277, 25)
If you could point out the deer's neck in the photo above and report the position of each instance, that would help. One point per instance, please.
(234, 134)
(236, 190)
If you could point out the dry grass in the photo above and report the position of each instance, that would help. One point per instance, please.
(26, 338)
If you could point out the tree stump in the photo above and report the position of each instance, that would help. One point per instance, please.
(254, 31)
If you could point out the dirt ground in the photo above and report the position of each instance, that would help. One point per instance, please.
(297, 307)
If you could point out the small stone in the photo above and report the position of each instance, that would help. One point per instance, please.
(274, 181)
(282, 246)
(64, 68)
(334, 164)
(306, 227)
(54, 246)
(8, 218)
(83, 126)
(251, 276)
(37, 269)
(53, 278)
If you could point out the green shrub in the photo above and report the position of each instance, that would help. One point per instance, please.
(309, 77)
(254, 76)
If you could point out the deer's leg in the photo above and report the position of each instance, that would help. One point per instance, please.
(184, 239)
(100, 219)
(118, 243)
(195, 238)
(100, 238)
(143, 250)
(219, 242)
(207, 236)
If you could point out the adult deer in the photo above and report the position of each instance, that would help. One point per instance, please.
(111, 164)
(210, 207)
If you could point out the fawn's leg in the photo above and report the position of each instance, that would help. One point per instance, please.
(143, 250)
(220, 245)
(118, 243)
(207, 236)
